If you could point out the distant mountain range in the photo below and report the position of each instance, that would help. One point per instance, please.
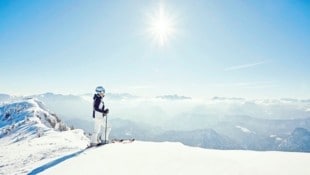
(4, 97)
(173, 97)
(207, 130)
(226, 137)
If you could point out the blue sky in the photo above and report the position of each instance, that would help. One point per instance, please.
(249, 49)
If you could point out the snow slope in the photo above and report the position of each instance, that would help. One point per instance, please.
(31, 135)
(166, 158)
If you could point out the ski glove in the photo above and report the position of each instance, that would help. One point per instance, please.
(105, 112)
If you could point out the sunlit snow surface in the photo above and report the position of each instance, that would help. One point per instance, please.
(21, 157)
(147, 158)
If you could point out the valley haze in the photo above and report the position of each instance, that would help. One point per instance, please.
(218, 122)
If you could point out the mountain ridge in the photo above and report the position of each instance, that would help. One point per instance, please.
(28, 115)
(29, 133)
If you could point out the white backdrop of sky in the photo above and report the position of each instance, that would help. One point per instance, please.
(250, 49)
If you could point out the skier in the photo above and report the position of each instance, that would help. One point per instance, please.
(101, 131)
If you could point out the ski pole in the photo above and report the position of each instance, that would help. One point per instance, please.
(106, 126)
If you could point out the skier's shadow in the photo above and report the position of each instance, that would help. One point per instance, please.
(53, 163)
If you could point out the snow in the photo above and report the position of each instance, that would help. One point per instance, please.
(30, 135)
(60, 153)
(245, 130)
(276, 137)
(279, 138)
(166, 158)
(22, 156)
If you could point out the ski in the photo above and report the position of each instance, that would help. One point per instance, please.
(95, 146)
(112, 141)
(122, 140)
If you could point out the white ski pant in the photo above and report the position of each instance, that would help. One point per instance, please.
(98, 135)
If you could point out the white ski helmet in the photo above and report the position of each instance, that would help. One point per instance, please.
(100, 89)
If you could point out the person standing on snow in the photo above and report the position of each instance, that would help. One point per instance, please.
(101, 133)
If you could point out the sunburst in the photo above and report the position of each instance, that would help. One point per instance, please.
(161, 26)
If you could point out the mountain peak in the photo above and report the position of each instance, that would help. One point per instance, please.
(28, 118)
(298, 140)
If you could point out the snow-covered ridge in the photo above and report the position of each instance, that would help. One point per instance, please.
(28, 118)
(30, 135)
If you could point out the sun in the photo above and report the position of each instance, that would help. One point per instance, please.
(161, 26)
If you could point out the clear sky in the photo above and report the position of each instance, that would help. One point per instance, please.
(201, 48)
